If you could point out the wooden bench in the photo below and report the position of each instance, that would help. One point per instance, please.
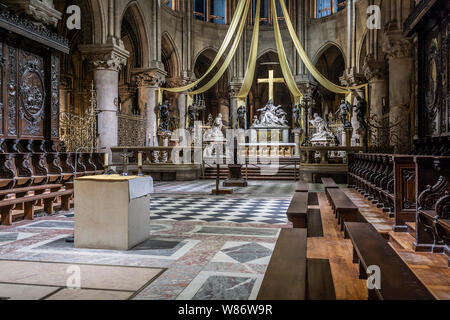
(22, 192)
(398, 282)
(6, 206)
(343, 207)
(297, 212)
(285, 278)
(329, 183)
(302, 187)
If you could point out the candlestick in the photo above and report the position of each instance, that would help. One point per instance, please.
(139, 159)
(106, 159)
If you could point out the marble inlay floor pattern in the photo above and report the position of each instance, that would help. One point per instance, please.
(198, 259)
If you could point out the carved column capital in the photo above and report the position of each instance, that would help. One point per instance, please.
(396, 46)
(233, 89)
(352, 79)
(374, 69)
(105, 57)
(150, 77)
(175, 82)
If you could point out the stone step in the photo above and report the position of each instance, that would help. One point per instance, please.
(402, 241)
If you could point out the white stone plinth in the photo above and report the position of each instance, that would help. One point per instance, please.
(112, 212)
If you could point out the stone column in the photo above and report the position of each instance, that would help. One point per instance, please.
(148, 82)
(179, 100)
(399, 52)
(106, 61)
(375, 72)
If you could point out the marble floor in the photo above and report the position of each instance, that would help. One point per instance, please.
(200, 248)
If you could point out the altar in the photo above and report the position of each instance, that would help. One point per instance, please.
(112, 212)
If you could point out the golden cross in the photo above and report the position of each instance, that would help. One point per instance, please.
(271, 80)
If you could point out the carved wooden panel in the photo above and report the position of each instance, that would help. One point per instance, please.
(54, 112)
(433, 94)
(32, 95)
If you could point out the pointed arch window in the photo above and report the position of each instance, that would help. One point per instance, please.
(214, 11)
(324, 8)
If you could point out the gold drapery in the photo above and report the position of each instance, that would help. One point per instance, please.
(228, 37)
(251, 65)
(230, 55)
(309, 64)
(288, 77)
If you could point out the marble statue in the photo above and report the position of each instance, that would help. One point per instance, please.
(241, 115)
(215, 133)
(271, 116)
(255, 121)
(323, 132)
(344, 111)
(164, 116)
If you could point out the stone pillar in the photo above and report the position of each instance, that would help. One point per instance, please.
(375, 72)
(106, 61)
(399, 52)
(148, 82)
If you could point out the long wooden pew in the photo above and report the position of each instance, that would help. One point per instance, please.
(343, 207)
(285, 278)
(397, 281)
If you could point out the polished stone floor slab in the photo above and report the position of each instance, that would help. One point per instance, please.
(222, 286)
(10, 291)
(91, 276)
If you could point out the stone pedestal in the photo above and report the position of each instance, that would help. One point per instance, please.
(112, 212)
(235, 177)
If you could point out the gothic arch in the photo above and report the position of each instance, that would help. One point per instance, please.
(133, 13)
(170, 56)
(324, 48)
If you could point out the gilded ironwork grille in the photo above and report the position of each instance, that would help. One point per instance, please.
(131, 130)
(80, 131)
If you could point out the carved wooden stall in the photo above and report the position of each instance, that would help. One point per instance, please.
(433, 214)
(33, 171)
(428, 26)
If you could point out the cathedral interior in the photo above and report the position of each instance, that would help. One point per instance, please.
(224, 150)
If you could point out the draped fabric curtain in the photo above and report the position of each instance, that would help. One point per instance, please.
(243, 4)
(251, 65)
(287, 74)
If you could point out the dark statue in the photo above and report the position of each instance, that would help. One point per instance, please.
(164, 116)
(344, 111)
(296, 115)
(360, 109)
(241, 116)
(191, 116)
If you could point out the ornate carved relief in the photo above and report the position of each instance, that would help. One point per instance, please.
(32, 93)
(107, 57)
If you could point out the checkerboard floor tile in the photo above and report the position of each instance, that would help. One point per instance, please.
(239, 210)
